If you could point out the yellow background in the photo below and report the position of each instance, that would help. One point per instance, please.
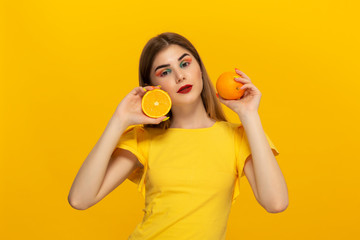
(66, 65)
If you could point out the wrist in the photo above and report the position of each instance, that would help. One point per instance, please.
(246, 116)
(118, 121)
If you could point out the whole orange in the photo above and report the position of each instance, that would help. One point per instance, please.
(228, 87)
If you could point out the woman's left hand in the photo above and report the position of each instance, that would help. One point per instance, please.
(249, 102)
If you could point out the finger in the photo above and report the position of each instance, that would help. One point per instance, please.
(246, 86)
(142, 90)
(137, 91)
(149, 88)
(158, 120)
(242, 80)
(249, 86)
(241, 73)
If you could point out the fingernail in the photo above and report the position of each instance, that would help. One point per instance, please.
(159, 86)
(165, 119)
(236, 69)
(217, 95)
(144, 89)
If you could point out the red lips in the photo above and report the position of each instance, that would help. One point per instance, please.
(183, 87)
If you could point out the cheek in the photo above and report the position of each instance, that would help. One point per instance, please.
(153, 82)
(156, 82)
(200, 76)
(197, 71)
(168, 88)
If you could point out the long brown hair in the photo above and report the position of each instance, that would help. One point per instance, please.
(160, 42)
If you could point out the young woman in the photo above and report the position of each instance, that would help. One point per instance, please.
(188, 164)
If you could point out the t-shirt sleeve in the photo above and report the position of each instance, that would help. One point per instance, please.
(242, 151)
(134, 139)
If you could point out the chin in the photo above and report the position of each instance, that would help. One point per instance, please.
(189, 98)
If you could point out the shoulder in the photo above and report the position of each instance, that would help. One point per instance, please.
(232, 126)
(135, 129)
(134, 132)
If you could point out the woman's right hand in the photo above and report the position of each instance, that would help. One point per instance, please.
(129, 109)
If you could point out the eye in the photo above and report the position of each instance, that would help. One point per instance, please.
(162, 74)
(167, 71)
(186, 64)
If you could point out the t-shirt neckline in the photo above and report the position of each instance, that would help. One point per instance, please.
(194, 129)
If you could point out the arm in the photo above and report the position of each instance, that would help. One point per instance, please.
(121, 165)
(89, 179)
(105, 168)
(262, 169)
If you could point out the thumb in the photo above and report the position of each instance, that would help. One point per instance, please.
(158, 120)
(163, 118)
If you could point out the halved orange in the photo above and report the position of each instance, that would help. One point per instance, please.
(156, 103)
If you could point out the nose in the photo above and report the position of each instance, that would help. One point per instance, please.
(180, 76)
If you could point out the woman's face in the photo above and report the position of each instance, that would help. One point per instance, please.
(181, 68)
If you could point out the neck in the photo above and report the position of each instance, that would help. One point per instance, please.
(190, 116)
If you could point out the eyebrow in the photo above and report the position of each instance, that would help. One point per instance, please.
(167, 65)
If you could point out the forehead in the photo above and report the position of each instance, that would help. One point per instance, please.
(169, 54)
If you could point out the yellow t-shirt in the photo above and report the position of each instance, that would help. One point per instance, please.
(189, 180)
